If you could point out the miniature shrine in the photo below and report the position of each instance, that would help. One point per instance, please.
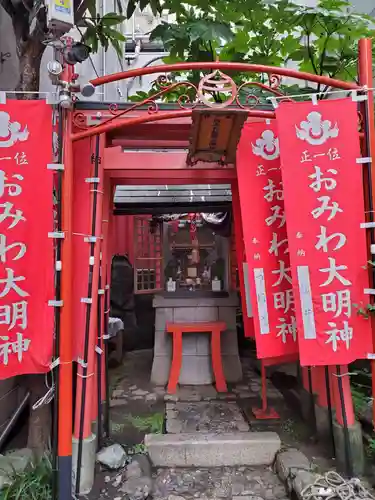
(187, 263)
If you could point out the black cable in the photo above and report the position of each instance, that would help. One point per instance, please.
(329, 405)
(99, 355)
(57, 319)
(347, 446)
(88, 315)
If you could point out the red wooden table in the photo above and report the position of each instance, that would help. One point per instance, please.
(215, 328)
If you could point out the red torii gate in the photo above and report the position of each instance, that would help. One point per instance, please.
(115, 168)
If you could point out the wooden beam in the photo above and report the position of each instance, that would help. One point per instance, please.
(117, 159)
(136, 177)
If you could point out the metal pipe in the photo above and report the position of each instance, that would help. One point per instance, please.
(228, 66)
(65, 400)
(13, 419)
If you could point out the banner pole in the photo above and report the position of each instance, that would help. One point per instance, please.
(329, 404)
(264, 413)
(84, 407)
(366, 79)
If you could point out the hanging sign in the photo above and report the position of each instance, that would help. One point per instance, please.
(266, 245)
(325, 207)
(26, 251)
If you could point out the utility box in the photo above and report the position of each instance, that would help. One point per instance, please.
(60, 15)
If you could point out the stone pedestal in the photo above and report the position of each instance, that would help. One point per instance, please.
(356, 447)
(196, 350)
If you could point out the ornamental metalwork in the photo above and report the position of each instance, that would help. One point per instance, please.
(216, 90)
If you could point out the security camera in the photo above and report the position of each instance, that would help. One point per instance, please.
(77, 53)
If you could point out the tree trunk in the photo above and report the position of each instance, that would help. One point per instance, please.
(30, 54)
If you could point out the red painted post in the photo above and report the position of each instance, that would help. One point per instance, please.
(86, 394)
(366, 79)
(107, 206)
(65, 403)
(90, 387)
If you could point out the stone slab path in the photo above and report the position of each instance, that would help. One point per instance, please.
(131, 382)
(191, 409)
(240, 483)
(210, 416)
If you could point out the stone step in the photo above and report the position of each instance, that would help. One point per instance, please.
(212, 450)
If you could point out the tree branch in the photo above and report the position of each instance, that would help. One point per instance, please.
(8, 7)
(80, 10)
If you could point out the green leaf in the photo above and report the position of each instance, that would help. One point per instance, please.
(112, 19)
(91, 7)
(130, 9)
(114, 35)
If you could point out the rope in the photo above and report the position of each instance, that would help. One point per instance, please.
(332, 486)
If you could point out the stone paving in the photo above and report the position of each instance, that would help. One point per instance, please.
(191, 409)
(210, 416)
(133, 383)
(240, 483)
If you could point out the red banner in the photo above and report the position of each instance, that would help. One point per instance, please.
(26, 251)
(265, 237)
(324, 208)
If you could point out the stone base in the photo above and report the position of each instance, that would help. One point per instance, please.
(212, 450)
(307, 411)
(322, 422)
(356, 447)
(199, 371)
(196, 366)
(87, 466)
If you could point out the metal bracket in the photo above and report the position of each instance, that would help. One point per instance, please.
(274, 102)
(55, 303)
(90, 239)
(358, 98)
(57, 235)
(55, 166)
(366, 159)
